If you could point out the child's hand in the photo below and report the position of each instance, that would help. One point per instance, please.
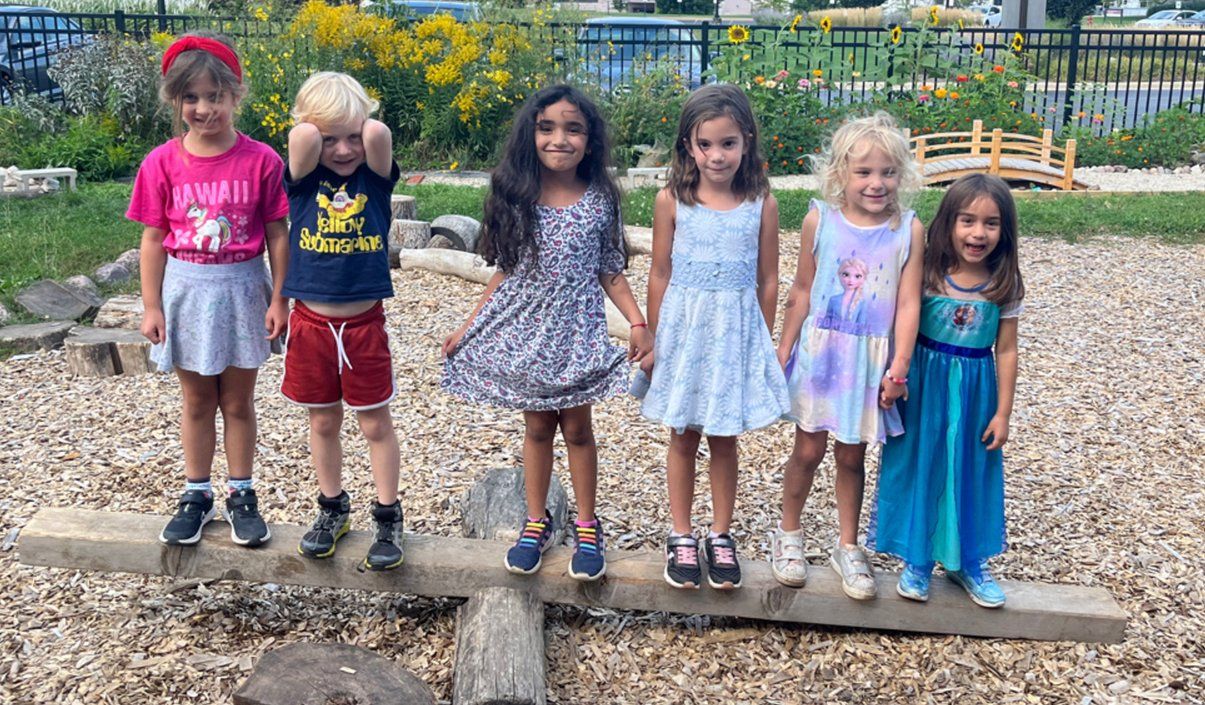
(453, 341)
(646, 365)
(997, 431)
(153, 325)
(276, 319)
(890, 391)
(640, 343)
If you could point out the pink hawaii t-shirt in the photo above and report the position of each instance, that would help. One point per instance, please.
(212, 209)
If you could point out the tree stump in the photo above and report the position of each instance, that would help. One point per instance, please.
(462, 230)
(134, 356)
(403, 207)
(499, 649)
(496, 505)
(500, 631)
(407, 235)
(123, 311)
(104, 352)
(330, 674)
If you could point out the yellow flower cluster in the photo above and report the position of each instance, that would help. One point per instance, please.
(274, 114)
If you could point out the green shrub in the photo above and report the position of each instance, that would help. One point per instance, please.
(645, 114)
(1167, 140)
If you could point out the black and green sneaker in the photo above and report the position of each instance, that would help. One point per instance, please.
(386, 551)
(332, 522)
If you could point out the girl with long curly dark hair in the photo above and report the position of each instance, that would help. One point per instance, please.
(537, 340)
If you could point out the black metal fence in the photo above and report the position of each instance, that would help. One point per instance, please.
(1076, 69)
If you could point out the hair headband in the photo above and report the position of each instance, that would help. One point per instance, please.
(189, 43)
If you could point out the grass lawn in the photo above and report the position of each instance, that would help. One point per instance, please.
(59, 236)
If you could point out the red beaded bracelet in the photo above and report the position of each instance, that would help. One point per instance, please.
(896, 380)
(639, 325)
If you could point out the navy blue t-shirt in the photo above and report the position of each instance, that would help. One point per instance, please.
(339, 235)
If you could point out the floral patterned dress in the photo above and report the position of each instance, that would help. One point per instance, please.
(540, 342)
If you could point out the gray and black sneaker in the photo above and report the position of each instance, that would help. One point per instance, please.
(192, 514)
(333, 521)
(386, 551)
(247, 527)
(682, 562)
(723, 570)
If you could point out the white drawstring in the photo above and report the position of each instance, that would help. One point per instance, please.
(339, 350)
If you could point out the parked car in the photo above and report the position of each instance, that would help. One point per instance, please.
(614, 48)
(1164, 18)
(416, 9)
(1197, 20)
(30, 39)
(991, 14)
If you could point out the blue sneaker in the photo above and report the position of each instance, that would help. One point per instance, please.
(589, 559)
(528, 552)
(914, 582)
(984, 590)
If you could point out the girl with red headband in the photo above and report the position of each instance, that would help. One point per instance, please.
(211, 200)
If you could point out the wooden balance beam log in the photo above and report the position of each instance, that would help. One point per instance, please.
(457, 567)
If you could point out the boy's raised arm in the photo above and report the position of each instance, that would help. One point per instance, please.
(305, 148)
(378, 147)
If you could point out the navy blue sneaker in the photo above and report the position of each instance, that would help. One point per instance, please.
(589, 560)
(194, 511)
(526, 555)
(386, 551)
(247, 527)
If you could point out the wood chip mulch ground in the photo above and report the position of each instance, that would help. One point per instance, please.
(1104, 488)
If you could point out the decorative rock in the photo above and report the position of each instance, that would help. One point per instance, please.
(407, 235)
(403, 207)
(85, 289)
(111, 273)
(462, 230)
(51, 300)
(35, 336)
(439, 242)
(123, 311)
(4, 315)
(330, 674)
(131, 260)
(495, 506)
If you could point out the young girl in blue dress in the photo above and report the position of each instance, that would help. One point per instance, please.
(713, 286)
(537, 340)
(847, 334)
(941, 487)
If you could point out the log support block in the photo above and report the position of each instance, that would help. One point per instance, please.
(499, 649)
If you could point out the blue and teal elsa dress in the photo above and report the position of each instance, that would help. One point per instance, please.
(940, 491)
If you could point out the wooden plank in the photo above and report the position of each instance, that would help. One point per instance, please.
(456, 567)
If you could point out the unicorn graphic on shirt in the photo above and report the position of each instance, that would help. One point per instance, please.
(213, 232)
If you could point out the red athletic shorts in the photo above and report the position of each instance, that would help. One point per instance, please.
(328, 360)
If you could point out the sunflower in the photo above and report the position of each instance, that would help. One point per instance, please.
(826, 24)
(933, 17)
(979, 48)
(795, 23)
(897, 33)
(1018, 42)
(738, 34)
